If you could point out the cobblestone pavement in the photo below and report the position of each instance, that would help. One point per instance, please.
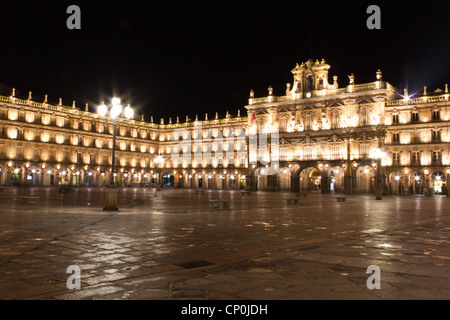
(177, 245)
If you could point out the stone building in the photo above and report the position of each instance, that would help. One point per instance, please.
(327, 135)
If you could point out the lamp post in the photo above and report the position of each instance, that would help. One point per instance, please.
(114, 112)
(377, 154)
(159, 160)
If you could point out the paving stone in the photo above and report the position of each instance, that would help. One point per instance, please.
(261, 249)
(189, 294)
(264, 293)
(151, 294)
(89, 292)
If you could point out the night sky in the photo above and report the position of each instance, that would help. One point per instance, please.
(171, 59)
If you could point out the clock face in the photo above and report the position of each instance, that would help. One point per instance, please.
(308, 95)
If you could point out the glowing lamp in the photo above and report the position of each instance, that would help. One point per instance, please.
(102, 109)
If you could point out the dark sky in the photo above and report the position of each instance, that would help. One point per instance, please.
(184, 58)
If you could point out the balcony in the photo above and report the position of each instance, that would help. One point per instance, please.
(436, 162)
(420, 100)
(325, 93)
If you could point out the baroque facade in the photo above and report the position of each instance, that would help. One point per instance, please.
(327, 138)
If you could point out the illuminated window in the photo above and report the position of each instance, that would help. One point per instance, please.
(364, 150)
(436, 136)
(320, 84)
(19, 153)
(308, 153)
(395, 137)
(335, 152)
(308, 122)
(395, 158)
(395, 118)
(13, 115)
(415, 158)
(46, 119)
(436, 115)
(436, 157)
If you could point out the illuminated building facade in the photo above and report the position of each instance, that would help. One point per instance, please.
(327, 138)
(51, 145)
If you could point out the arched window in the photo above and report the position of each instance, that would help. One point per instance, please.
(308, 122)
(363, 116)
(335, 119)
(309, 83)
(283, 124)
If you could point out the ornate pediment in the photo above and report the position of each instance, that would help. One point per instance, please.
(364, 137)
(306, 140)
(335, 139)
(349, 102)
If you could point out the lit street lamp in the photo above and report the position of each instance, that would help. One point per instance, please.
(114, 112)
(377, 154)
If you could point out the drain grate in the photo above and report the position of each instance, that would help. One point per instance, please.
(194, 264)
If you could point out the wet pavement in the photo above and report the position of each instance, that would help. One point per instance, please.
(178, 244)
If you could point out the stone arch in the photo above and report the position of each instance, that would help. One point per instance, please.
(310, 178)
(416, 182)
(285, 179)
(336, 113)
(261, 121)
(364, 112)
(90, 177)
(261, 178)
(396, 182)
(16, 174)
(365, 179)
(336, 174)
(309, 81)
(63, 176)
(308, 119)
(76, 178)
(284, 119)
(32, 175)
(438, 182)
(49, 176)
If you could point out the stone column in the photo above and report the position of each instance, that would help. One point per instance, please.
(8, 177)
(226, 182)
(325, 182)
(295, 183)
(348, 179)
(251, 181)
(273, 182)
(348, 183)
(24, 181)
(447, 184)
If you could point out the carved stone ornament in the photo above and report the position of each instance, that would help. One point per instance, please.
(308, 139)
